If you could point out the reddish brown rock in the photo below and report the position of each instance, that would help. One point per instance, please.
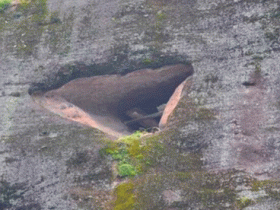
(172, 103)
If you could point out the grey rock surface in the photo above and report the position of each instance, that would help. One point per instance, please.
(232, 45)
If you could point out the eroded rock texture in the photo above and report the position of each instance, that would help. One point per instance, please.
(228, 117)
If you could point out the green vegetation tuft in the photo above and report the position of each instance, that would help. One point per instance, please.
(135, 153)
(129, 152)
(126, 169)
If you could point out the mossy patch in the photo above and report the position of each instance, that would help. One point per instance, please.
(27, 30)
(271, 187)
(244, 202)
(125, 199)
(30, 21)
(170, 170)
(126, 169)
(129, 152)
(195, 188)
(4, 4)
(166, 169)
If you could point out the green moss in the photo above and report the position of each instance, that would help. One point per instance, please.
(29, 30)
(169, 169)
(257, 185)
(125, 199)
(271, 187)
(148, 191)
(211, 198)
(126, 169)
(133, 143)
(182, 176)
(194, 187)
(4, 4)
(215, 190)
(129, 153)
(244, 202)
(34, 20)
(135, 153)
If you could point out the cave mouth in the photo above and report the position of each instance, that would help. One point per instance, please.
(118, 104)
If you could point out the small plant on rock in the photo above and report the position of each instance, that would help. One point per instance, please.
(128, 151)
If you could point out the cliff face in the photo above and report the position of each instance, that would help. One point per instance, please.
(228, 118)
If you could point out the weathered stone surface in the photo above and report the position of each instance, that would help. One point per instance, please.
(229, 116)
(173, 102)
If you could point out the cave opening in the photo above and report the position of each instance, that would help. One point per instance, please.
(118, 104)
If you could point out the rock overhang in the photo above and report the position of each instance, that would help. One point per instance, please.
(104, 101)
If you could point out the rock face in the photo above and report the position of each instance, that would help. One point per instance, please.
(173, 102)
(228, 117)
(102, 101)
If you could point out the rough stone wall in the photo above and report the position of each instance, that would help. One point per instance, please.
(232, 45)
